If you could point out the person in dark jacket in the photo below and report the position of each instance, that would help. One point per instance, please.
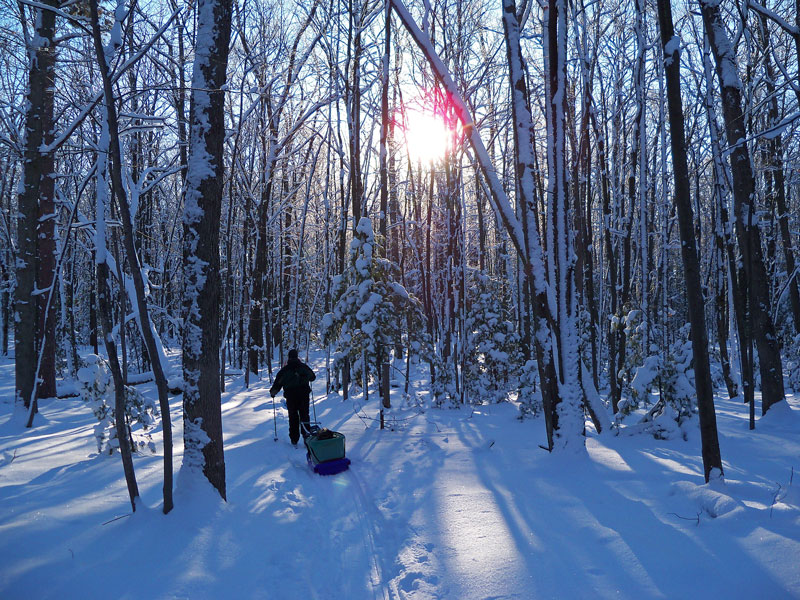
(295, 377)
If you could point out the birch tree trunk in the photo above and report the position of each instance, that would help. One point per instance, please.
(202, 410)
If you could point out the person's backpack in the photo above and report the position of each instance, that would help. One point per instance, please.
(294, 379)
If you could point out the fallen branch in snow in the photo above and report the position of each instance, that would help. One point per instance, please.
(784, 494)
(117, 518)
(775, 497)
(12, 458)
(696, 519)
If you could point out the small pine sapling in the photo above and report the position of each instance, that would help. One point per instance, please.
(97, 390)
(672, 376)
(530, 396)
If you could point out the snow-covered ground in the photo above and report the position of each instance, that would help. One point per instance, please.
(456, 504)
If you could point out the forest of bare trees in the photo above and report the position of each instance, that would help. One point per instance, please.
(605, 222)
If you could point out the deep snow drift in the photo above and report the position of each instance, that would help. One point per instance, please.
(447, 504)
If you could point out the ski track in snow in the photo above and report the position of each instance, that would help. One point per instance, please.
(364, 508)
(459, 504)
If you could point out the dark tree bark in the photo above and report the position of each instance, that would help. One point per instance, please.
(354, 110)
(256, 313)
(583, 211)
(46, 266)
(721, 304)
(7, 254)
(105, 303)
(35, 197)
(775, 162)
(747, 229)
(5, 305)
(383, 355)
(93, 313)
(202, 410)
(732, 271)
(691, 265)
(270, 115)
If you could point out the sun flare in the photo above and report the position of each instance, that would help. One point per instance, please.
(427, 137)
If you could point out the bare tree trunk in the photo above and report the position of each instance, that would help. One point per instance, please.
(104, 295)
(775, 160)
(384, 354)
(132, 258)
(524, 172)
(202, 410)
(747, 231)
(7, 254)
(46, 263)
(93, 328)
(691, 266)
(733, 270)
(257, 308)
(35, 198)
(104, 301)
(561, 264)
(721, 303)
(354, 113)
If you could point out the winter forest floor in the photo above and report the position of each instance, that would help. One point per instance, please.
(451, 503)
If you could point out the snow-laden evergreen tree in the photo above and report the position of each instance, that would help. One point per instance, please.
(793, 363)
(671, 375)
(530, 394)
(370, 311)
(493, 353)
(96, 386)
(633, 325)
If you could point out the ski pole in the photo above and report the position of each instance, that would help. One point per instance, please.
(274, 420)
(313, 404)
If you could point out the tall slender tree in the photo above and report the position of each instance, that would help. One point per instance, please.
(104, 56)
(748, 233)
(670, 43)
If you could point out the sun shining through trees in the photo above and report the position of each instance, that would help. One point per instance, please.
(426, 136)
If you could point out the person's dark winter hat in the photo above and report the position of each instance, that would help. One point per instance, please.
(292, 353)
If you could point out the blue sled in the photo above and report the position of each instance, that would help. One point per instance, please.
(330, 467)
